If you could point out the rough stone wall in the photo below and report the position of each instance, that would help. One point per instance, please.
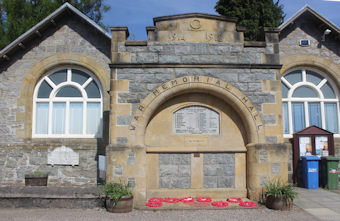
(17, 161)
(289, 42)
(144, 81)
(174, 170)
(21, 154)
(70, 36)
(219, 170)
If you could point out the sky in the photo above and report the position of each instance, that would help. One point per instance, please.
(137, 14)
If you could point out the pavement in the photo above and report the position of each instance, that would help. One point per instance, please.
(323, 204)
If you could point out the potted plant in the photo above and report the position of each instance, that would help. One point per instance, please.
(37, 178)
(279, 196)
(118, 198)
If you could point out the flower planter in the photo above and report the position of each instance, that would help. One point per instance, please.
(277, 203)
(124, 205)
(36, 179)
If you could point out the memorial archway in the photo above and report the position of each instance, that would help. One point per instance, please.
(195, 130)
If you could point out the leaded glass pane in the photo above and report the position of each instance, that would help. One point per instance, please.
(58, 118)
(331, 116)
(59, 76)
(92, 90)
(304, 92)
(313, 77)
(44, 90)
(79, 76)
(327, 91)
(76, 118)
(285, 118)
(93, 118)
(41, 118)
(298, 110)
(69, 91)
(314, 114)
(294, 77)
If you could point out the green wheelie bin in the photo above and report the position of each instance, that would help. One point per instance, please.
(329, 172)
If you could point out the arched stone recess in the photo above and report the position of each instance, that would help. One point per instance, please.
(197, 84)
(324, 65)
(49, 63)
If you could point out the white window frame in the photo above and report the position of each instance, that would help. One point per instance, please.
(321, 99)
(53, 99)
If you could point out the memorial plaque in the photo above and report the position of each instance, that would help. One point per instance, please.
(196, 120)
(63, 156)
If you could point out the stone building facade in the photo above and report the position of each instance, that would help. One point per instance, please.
(193, 110)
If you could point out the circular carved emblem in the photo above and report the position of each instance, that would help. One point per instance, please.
(195, 24)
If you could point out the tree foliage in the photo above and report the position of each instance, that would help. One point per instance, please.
(253, 14)
(17, 16)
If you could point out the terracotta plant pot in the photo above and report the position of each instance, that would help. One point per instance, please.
(277, 203)
(124, 205)
(36, 179)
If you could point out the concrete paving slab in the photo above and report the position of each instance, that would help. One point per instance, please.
(324, 214)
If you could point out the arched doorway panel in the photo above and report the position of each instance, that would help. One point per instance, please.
(198, 84)
(188, 160)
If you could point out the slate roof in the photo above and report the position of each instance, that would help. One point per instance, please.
(318, 20)
(37, 30)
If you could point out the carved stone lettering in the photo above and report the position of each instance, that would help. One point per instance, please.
(63, 156)
(196, 120)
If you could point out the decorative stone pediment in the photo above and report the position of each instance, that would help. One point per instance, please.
(195, 27)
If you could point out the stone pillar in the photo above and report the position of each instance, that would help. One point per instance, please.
(265, 162)
(119, 36)
(272, 55)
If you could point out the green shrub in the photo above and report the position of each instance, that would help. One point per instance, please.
(39, 173)
(280, 190)
(115, 191)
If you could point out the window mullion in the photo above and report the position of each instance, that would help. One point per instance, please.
(306, 114)
(290, 118)
(323, 118)
(87, 82)
(304, 77)
(322, 83)
(69, 75)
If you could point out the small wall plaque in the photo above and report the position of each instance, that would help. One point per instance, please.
(63, 156)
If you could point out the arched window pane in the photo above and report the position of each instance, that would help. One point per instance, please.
(298, 110)
(58, 118)
(79, 76)
(294, 77)
(59, 76)
(314, 114)
(44, 90)
(76, 118)
(313, 77)
(92, 90)
(327, 91)
(41, 120)
(331, 115)
(93, 118)
(285, 118)
(69, 91)
(285, 90)
(304, 92)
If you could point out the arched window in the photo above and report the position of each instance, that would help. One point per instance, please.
(67, 103)
(309, 98)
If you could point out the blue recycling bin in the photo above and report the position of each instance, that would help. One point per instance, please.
(310, 171)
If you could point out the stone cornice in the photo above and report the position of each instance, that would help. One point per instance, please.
(201, 65)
